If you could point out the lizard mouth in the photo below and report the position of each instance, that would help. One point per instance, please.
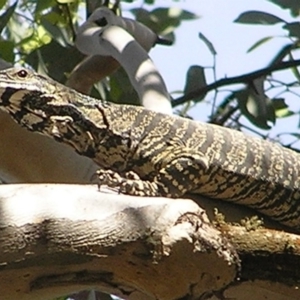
(26, 116)
(14, 109)
(38, 113)
(32, 119)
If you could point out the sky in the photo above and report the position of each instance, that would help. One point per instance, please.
(231, 41)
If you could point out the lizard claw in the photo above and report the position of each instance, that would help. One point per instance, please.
(109, 178)
(132, 175)
(130, 184)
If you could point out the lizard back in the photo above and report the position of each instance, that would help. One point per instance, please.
(233, 166)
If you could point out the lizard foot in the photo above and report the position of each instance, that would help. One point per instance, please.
(109, 178)
(130, 184)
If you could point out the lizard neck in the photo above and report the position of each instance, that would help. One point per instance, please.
(106, 132)
(103, 131)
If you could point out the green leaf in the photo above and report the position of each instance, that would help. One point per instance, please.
(121, 90)
(43, 5)
(258, 86)
(195, 79)
(101, 88)
(293, 28)
(279, 103)
(296, 73)
(4, 18)
(163, 20)
(36, 39)
(255, 106)
(284, 51)
(55, 31)
(295, 134)
(65, 1)
(7, 51)
(284, 113)
(281, 108)
(292, 5)
(183, 14)
(2, 3)
(208, 43)
(258, 17)
(62, 298)
(58, 60)
(259, 42)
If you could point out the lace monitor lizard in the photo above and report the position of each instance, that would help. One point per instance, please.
(148, 153)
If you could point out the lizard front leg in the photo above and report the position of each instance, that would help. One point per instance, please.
(177, 177)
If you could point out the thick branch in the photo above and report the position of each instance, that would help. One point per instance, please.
(246, 78)
(53, 244)
(111, 39)
(270, 264)
(89, 71)
(94, 68)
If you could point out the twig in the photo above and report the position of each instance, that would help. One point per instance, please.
(246, 78)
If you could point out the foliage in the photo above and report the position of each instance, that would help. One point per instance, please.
(256, 100)
(266, 110)
(40, 34)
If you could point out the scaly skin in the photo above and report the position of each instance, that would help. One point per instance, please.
(166, 155)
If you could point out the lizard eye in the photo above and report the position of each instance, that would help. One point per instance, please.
(22, 73)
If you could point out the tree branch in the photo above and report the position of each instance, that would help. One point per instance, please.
(112, 39)
(246, 78)
(94, 68)
(110, 242)
(52, 244)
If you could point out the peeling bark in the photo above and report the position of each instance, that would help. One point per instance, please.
(58, 239)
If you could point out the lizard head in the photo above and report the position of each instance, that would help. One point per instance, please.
(45, 106)
(33, 100)
(25, 95)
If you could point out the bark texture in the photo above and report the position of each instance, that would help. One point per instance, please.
(57, 239)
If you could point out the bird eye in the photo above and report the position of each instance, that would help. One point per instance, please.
(22, 73)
